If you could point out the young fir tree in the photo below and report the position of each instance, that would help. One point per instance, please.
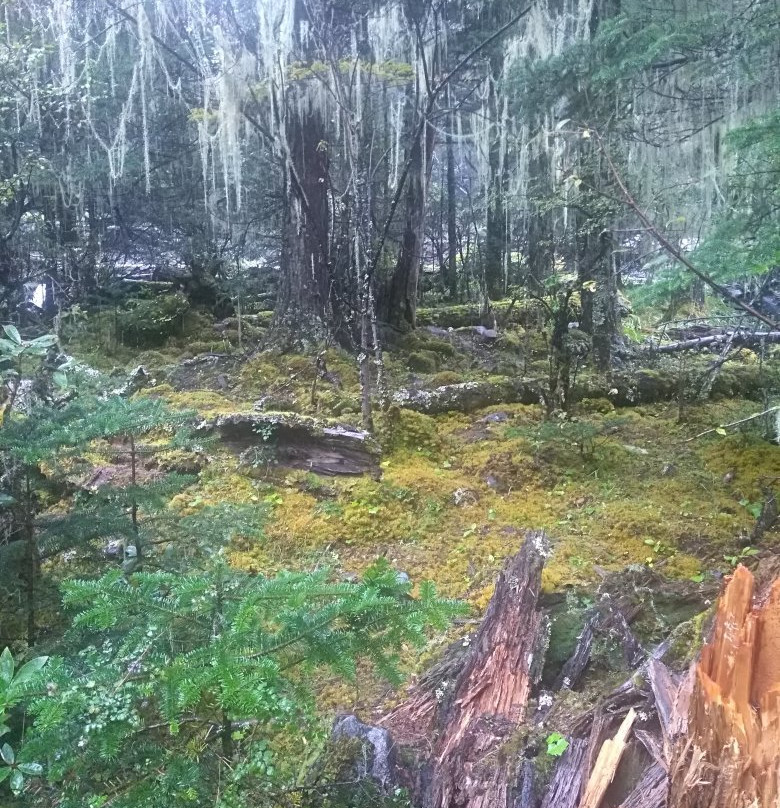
(43, 462)
(200, 688)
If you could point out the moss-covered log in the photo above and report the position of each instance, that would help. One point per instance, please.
(296, 441)
(626, 388)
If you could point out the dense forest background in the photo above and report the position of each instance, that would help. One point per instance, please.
(321, 159)
(289, 287)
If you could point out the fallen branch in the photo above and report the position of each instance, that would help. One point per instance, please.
(735, 338)
(671, 249)
(734, 423)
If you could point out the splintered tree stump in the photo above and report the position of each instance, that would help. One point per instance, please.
(490, 693)
(607, 763)
(727, 754)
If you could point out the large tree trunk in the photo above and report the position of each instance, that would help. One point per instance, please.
(303, 307)
(398, 302)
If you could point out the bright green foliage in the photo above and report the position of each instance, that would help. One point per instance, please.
(746, 237)
(15, 686)
(556, 744)
(43, 455)
(181, 675)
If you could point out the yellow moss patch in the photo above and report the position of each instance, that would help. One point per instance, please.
(207, 403)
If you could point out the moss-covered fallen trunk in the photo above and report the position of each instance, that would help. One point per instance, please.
(296, 441)
(626, 388)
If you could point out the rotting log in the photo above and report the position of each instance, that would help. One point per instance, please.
(295, 441)
(625, 389)
(490, 694)
(468, 396)
(726, 754)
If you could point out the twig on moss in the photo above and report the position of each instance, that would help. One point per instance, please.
(734, 423)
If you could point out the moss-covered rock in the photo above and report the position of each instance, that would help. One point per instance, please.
(403, 429)
(423, 361)
(446, 377)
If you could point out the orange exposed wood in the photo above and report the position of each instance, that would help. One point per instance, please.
(729, 754)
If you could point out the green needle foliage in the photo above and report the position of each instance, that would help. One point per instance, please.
(42, 456)
(182, 676)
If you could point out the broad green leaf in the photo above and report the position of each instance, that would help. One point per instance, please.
(17, 781)
(60, 379)
(4, 730)
(6, 500)
(31, 769)
(45, 342)
(13, 334)
(6, 666)
(556, 744)
(28, 670)
(5, 774)
(7, 754)
(8, 347)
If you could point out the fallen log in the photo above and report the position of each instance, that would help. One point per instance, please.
(468, 396)
(738, 339)
(625, 389)
(296, 441)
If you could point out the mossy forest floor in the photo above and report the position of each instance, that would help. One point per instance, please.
(614, 487)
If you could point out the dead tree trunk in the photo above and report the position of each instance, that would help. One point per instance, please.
(488, 700)
(727, 753)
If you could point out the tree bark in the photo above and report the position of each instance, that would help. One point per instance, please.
(399, 300)
(727, 753)
(490, 694)
(303, 307)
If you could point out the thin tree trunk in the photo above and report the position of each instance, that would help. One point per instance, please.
(452, 219)
(31, 561)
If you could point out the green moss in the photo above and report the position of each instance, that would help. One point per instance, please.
(423, 361)
(399, 429)
(149, 322)
(746, 381)
(446, 377)
(595, 405)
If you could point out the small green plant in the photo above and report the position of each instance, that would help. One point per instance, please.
(14, 686)
(753, 508)
(745, 552)
(556, 744)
